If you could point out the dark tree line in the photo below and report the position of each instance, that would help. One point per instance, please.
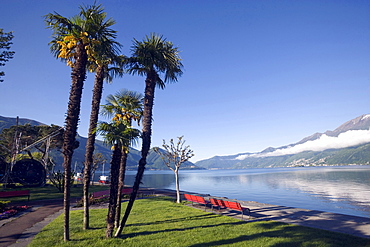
(5, 45)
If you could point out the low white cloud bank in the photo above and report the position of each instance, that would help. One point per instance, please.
(345, 139)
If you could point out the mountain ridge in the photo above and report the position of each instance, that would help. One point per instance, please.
(347, 144)
(154, 161)
(358, 123)
(301, 153)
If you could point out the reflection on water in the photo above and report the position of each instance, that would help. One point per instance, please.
(343, 190)
(160, 179)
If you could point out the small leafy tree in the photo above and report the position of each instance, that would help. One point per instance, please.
(5, 54)
(173, 156)
(57, 180)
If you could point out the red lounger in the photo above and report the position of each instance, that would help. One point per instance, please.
(103, 193)
(106, 193)
(126, 191)
(196, 199)
(236, 206)
(15, 193)
(217, 203)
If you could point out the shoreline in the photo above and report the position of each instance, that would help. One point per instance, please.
(347, 224)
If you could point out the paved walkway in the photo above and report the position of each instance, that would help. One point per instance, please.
(18, 232)
(29, 223)
(353, 225)
(347, 224)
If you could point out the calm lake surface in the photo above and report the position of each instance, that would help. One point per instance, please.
(344, 189)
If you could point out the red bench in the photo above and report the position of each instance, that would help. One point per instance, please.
(15, 193)
(126, 191)
(106, 193)
(196, 199)
(217, 203)
(103, 193)
(233, 205)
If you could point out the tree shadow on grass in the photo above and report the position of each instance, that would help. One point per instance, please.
(130, 235)
(290, 235)
(252, 237)
(197, 217)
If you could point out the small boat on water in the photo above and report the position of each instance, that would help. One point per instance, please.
(104, 179)
(78, 177)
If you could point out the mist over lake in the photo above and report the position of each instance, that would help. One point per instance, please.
(344, 189)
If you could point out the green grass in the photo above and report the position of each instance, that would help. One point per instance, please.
(50, 192)
(161, 222)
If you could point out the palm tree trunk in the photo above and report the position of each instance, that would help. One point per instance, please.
(114, 170)
(96, 98)
(121, 183)
(78, 77)
(146, 136)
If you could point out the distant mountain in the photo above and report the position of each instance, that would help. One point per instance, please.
(360, 123)
(154, 162)
(7, 122)
(347, 144)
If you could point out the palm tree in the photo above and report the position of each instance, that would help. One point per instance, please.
(152, 57)
(124, 106)
(71, 43)
(117, 134)
(105, 54)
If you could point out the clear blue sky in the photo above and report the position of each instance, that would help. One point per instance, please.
(256, 73)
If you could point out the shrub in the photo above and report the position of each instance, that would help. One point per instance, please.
(3, 205)
(10, 211)
(57, 179)
(93, 200)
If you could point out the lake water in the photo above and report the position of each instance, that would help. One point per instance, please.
(344, 189)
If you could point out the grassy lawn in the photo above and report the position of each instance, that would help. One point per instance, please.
(50, 192)
(161, 222)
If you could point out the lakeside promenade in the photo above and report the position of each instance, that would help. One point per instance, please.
(19, 231)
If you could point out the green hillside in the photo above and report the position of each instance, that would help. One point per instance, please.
(359, 155)
(154, 162)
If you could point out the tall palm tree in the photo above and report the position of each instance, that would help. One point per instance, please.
(126, 106)
(105, 54)
(71, 42)
(152, 57)
(117, 134)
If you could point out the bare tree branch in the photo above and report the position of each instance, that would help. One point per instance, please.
(173, 156)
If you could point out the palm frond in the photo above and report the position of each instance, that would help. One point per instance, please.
(157, 54)
(118, 133)
(89, 26)
(125, 105)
